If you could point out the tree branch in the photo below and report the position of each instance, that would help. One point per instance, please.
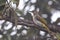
(32, 24)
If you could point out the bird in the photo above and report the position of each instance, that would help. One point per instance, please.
(38, 20)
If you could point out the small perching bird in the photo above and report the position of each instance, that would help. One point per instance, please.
(38, 20)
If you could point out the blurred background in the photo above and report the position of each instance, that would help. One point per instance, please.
(48, 9)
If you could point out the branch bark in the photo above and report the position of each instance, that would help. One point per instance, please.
(32, 24)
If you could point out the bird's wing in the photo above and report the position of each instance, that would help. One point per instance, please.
(39, 18)
(43, 22)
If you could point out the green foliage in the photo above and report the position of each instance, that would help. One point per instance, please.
(32, 33)
(58, 36)
(2, 5)
(2, 2)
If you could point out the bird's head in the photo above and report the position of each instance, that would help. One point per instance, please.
(33, 13)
